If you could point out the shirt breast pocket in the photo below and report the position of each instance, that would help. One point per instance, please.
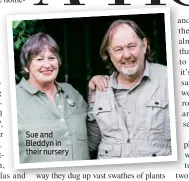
(157, 113)
(102, 109)
(104, 116)
(109, 151)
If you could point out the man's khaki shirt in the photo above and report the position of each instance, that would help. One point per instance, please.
(131, 122)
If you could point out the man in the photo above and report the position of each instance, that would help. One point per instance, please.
(130, 118)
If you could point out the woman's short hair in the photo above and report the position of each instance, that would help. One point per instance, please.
(34, 46)
(107, 38)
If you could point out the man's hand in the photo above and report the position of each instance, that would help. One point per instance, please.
(99, 82)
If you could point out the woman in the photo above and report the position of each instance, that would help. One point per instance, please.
(51, 115)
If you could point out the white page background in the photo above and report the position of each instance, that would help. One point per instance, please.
(57, 6)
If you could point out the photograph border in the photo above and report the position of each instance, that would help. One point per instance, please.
(166, 11)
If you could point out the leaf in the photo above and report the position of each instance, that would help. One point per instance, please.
(23, 39)
(17, 77)
(17, 43)
(16, 31)
(21, 33)
(30, 30)
(15, 24)
(23, 25)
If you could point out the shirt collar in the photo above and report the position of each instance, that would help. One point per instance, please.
(32, 90)
(59, 87)
(113, 77)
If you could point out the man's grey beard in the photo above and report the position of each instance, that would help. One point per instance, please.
(129, 72)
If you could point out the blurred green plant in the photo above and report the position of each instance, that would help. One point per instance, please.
(21, 32)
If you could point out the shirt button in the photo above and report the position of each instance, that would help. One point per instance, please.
(57, 95)
(66, 134)
(59, 106)
(128, 141)
(62, 120)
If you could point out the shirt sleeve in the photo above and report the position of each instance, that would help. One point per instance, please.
(93, 130)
